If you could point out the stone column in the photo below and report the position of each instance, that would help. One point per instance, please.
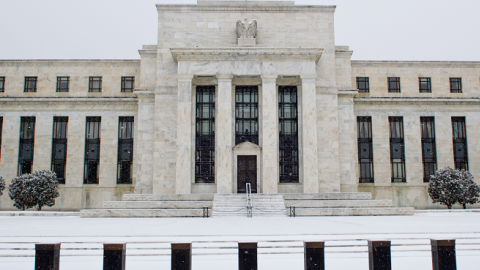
(348, 141)
(185, 148)
(43, 142)
(309, 135)
(224, 135)
(269, 128)
(144, 145)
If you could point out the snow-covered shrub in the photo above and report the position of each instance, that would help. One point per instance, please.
(35, 189)
(2, 185)
(470, 189)
(446, 187)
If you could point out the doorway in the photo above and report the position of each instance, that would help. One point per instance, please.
(246, 173)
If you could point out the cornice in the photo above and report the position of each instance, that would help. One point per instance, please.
(68, 62)
(246, 54)
(418, 100)
(243, 8)
(68, 99)
(419, 64)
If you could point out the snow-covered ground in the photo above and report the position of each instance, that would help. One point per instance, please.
(215, 240)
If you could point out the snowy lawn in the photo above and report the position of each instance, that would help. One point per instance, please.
(215, 240)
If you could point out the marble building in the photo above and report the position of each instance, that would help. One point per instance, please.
(236, 93)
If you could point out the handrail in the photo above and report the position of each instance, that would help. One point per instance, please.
(249, 200)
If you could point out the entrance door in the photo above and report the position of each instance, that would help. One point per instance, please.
(246, 173)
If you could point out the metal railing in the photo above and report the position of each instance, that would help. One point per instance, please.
(249, 200)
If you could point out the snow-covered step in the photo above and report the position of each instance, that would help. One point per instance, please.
(328, 196)
(338, 203)
(382, 211)
(168, 197)
(236, 205)
(94, 213)
(156, 204)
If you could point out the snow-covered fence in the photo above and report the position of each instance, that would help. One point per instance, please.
(114, 256)
(47, 256)
(182, 256)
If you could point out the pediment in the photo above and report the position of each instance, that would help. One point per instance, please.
(246, 145)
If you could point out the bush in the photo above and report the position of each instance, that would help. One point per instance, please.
(2, 185)
(471, 191)
(36, 189)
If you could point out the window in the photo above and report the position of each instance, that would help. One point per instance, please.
(365, 149)
(394, 84)
(455, 85)
(246, 114)
(59, 147)
(62, 84)
(25, 153)
(128, 84)
(460, 154)
(30, 84)
(92, 150)
(288, 130)
(2, 84)
(429, 153)
(425, 85)
(363, 84)
(205, 135)
(397, 149)
(1, 132)
(125, 150)
(95, 84)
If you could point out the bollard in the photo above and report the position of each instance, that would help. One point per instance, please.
(379, 255)
(182, 256)
(114, 256)
(247, 256)
(314, 255)
(443, 254)
(47, 256)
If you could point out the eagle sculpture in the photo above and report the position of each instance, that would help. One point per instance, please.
(244, 32)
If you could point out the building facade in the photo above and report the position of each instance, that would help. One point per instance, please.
(233, 94)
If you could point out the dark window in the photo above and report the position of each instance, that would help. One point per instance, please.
(429, 152)
(95, 84)
(59, 147)
(63, 84)
(128, 84)
(365, 148)
(25, 153)
(288, 129)
(394, 84)
(460, 153)
(205, 135)
(425, 85)
(246, 114)
(2, 84)
(30, 84)
(125, 150)
(397, 149)
(455, 85)
(92, 150)
(363, 84)
(1, 132)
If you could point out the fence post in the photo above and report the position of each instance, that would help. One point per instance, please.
(47, 256)
(182, 256)
(443, 254)
(114, 256)
(247, 256)
(314, 255)
(379, 255)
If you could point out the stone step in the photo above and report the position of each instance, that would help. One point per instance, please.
(382, 211)
(136, 213)
(168, 197)
(157, 204)
(338, 203)
(328, 196)
(235, 205)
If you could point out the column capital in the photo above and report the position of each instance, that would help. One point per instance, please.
(269, 77)
(224, 77)
(185, 77)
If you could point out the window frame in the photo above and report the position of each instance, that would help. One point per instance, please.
(365, 136)
(240, 114)
(396, 81)
(92, 140)
(125, 138)
(397, 137)
(29, 80)
(429, 165)
(428, 82)
(458, 82)
(460, 138)
(93, 79)
(205, 134)
(288, 143)
(2, 84)
(366, 82)
(26, 138)
(60, 123)
(124, 80)
(61, 89)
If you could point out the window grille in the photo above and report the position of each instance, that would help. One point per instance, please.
(125, 150)
(363, 84)
(128, 84)
(394, 84)
(460, 152)
(397, 149)
(2, 84)
(288, 130)
(205, 135)
(63, 84)
(59, 147)
(365, 149)
(27, 137)
(455, 85)
(425, 85)
(429, 153)
(246, 114)
(92, 150)
(95, 84)
(30, 84)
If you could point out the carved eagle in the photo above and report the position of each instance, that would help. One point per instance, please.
(244, 32)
